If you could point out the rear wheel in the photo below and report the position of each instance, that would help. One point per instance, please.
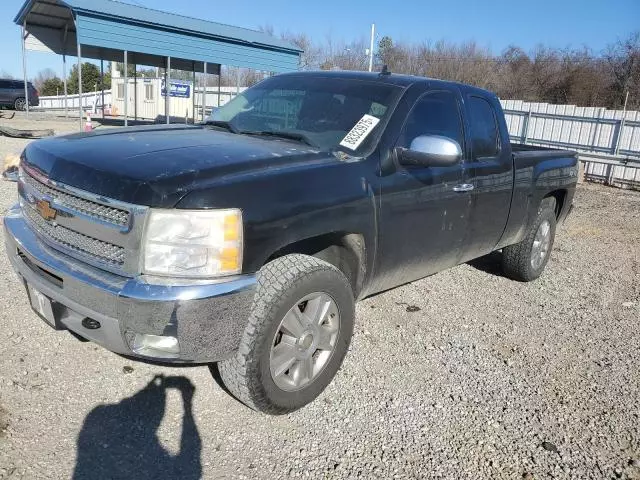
(20, 104)
(298, 333)
(525, 261)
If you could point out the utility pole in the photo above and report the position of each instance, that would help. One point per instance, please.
(373, 33)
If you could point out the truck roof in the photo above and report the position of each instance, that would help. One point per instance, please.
(398, 79)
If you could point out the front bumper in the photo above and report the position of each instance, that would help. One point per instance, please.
(207, 318)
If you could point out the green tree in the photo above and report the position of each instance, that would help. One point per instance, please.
(90, 79)
(385, 50)
(51, 86)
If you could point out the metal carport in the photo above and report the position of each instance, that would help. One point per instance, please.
(115, 31)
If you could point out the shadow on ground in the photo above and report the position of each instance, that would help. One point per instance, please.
(491, 264)
(119, 441)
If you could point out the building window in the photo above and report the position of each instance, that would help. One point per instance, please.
(120, 92)
(149, 92)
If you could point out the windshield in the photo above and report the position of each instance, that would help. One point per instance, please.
(318, 111)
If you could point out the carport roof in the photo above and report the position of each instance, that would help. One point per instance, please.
(112, 26)
(125, 11)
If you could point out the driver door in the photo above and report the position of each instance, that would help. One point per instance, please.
(423, 211)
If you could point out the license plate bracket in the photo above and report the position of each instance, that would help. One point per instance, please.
(42, 305)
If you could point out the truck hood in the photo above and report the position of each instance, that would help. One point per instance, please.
(158, 165)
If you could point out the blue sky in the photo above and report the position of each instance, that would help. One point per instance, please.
(491, 23)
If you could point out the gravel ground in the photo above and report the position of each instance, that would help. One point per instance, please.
(462, 375)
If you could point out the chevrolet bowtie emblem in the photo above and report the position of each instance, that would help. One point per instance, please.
(45, 210)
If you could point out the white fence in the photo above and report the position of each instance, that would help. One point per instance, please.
(89, 100)
(608, 141)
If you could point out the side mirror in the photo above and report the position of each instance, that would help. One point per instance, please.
(11, 174)
(431, 151)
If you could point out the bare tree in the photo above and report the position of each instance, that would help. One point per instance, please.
(42, 76)
(623, 60)
(568, 76)
(311, 53)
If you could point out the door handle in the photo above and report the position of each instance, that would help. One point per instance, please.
(463, 187)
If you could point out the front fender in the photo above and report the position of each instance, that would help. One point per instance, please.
(286, 206)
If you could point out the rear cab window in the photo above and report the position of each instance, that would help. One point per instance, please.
(483, 128)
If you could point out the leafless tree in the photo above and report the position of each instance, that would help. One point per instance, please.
(568, 76)
(623, 60)
(42, 76)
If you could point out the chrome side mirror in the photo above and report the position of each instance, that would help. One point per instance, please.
(431, 151)
(11, 174)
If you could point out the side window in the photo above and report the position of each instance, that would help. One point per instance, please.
(485, 140)
(435, 113)
(5, 84)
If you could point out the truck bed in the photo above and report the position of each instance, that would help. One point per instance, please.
(522, 151)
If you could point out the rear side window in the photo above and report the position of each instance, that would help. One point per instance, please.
(434, 114)
(483, 128)
(5, 83)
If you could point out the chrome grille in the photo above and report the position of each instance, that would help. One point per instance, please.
(105, 213)
(77, 242)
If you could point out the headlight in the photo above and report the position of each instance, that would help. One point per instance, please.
(193, 243)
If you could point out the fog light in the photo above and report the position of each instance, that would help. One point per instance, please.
(90, 324)
(158, 346)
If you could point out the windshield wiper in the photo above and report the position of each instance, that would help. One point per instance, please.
(223, 124)
(301, 137)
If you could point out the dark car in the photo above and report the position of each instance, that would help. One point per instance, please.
(248, 240)
(12, 94)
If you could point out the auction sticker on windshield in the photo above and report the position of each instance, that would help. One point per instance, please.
(359, 132)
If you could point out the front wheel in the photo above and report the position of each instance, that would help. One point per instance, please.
(525, 261)
(298, 333)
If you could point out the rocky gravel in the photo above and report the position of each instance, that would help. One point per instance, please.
(463, 375)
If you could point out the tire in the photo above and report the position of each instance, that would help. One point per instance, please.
(525, 261)
(287, 286)
(20, 104)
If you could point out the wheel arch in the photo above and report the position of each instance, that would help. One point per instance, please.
(344, 250)
(560, 196)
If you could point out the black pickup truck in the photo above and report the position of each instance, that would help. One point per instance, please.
(247, 240)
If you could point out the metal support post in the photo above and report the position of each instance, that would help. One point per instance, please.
(126, 89)
(621, 127)
(24, 67)
(64, 70)
(135, 92)
(193, 93)
(102, 84)
(204, 92)
(167, 88)
(525, 127)
(219, 75)
(80, 82)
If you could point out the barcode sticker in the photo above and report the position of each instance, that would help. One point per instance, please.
(359, 132)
